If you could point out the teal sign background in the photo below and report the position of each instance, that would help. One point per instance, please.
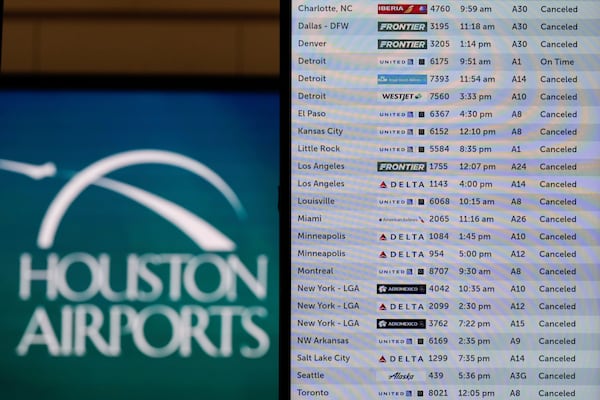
(235, 135)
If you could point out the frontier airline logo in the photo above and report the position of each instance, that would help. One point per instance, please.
(388, 26)
(401, 44)
(105, 328)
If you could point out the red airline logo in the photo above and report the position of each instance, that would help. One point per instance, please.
(402, 9)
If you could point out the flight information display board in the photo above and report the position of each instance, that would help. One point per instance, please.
(444, 200)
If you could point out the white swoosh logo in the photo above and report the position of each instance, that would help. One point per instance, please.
(36, 172)
(202, 233)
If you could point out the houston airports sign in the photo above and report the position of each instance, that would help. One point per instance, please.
(97, 313)
(139, 244)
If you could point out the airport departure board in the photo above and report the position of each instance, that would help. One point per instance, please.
(444, 200)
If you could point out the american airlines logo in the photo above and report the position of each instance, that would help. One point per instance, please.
(88, 322)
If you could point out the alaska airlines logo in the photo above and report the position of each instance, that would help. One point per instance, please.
(113, 305)
(203, 234)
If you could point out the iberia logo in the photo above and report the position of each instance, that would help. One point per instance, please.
(402, 8)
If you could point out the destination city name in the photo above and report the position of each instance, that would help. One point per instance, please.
(321, 184)
(330, 323)
(337, 25)
(322, 340)
(312, 78)
(326, 306)
(312, 96)
(321, 166)
(321, 236)
(315, 271)
(320, 201)
(321, 253)
(312, 61)
(311, 43)
(311, 148)
(320, 131)
(315, 375)
(330, 288)
(323, 358)
(317, 8)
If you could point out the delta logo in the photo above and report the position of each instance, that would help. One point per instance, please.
(402, 9)
(404, 236)
(80, 307)
(406, 184)
(383, 26)
(401, 307)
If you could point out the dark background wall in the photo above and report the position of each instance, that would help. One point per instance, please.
(231, 37)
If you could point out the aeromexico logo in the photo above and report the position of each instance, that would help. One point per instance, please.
(83, 325)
